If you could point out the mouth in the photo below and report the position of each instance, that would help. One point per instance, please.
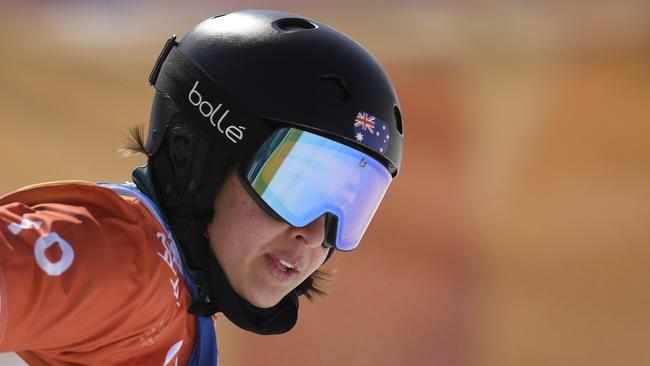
(282, 268)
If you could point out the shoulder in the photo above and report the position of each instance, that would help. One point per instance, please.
(75, 194)
(102, 229)
(82, 231)
(89, 254)
(94, 223)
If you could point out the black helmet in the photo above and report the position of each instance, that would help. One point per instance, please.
(235, 78)
(280, 67)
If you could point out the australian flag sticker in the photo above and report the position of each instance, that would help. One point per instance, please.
(371, 131)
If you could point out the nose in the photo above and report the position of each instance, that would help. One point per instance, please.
(312, 235)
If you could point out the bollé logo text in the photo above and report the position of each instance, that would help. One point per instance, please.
(232, 132)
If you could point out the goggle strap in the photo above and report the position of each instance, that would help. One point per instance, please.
(331, 225)
(171, 43)
(206, 103)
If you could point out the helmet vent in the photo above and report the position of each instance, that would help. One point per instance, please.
(398, 120)
(293, 25)
(341, 83)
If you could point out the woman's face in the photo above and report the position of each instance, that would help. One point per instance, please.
(263, 258)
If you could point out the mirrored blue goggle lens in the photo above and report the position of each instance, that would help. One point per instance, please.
(302, 176)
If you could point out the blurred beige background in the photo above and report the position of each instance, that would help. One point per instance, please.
(518, 232)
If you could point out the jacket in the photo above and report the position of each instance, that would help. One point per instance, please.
(90, 274)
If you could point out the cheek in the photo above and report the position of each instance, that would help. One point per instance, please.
(224, 233)
(317, 260)
(239, 229)
(234, 215)
(233, 235)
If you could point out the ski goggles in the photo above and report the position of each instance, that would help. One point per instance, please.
(301, 176)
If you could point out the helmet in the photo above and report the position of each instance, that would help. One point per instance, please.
(281, 67)
(239, 76)
(235, 79)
